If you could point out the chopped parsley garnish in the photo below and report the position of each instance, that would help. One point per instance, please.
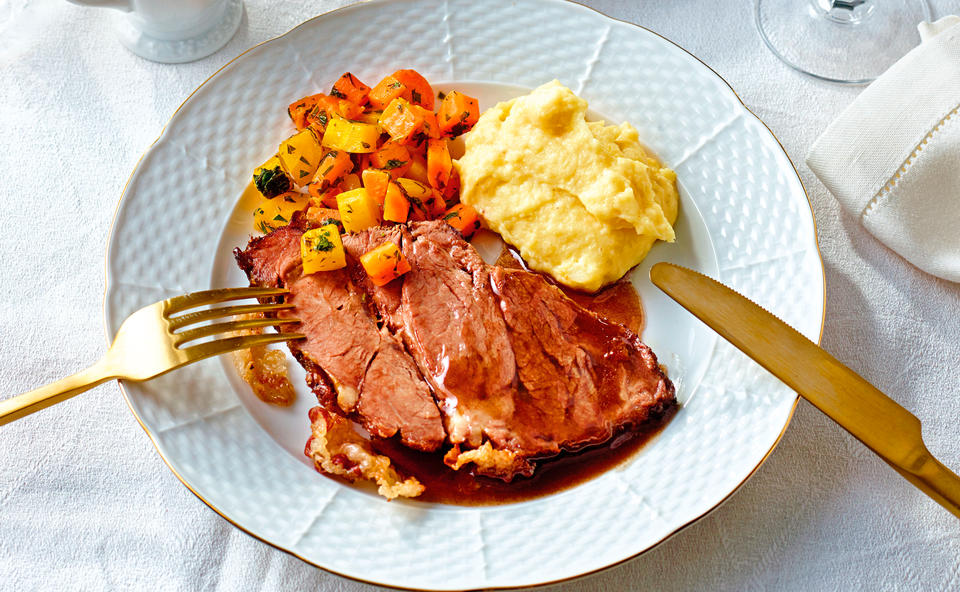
(322, 243)
(337, 93)
(394, 163)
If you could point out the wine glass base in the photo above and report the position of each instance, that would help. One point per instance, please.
(849, 42)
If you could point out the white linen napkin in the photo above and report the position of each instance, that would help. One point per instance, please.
(892, 158)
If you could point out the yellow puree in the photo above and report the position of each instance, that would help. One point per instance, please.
(581, 201)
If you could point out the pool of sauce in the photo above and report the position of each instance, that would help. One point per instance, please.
(618, 303)
(465, 488)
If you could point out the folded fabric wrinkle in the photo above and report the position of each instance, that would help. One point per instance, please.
(892, 158)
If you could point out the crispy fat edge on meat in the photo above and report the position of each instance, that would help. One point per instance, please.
(490, 461)
(336, 449)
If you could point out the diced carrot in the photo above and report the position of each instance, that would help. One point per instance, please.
(391, 157)
(299, 109)
(429, 128)
(385, 91)
(349, 88)
(333, 166)
(464, 218)
(384, 263)
(325, 108)
(457, 114)
(362, 162)
(324, 197)
(451, 191)
(376, 181)
(418, 90)
(395, 205)
(438, 162)
(438, 207)
(420, 195)
(407, 123)
(399, 120)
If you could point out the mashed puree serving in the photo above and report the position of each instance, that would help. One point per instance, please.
(582, 201)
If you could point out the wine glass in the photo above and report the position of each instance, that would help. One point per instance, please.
(846, 41)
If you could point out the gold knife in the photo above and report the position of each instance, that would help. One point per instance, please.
(871, 416)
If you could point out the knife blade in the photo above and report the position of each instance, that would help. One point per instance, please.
(872, 417)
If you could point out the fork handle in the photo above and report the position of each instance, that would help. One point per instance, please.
(21, 405)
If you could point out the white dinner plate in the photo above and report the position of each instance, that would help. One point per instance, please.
(744, 219)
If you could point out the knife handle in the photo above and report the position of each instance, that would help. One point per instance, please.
(935, 480)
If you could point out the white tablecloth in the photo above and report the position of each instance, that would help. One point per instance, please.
(86, 503)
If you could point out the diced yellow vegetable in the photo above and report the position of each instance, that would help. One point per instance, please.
(350, 181)
(300, 155)
(274, 213)
(351, 136)
(370, 117)
(418, 168)
(358, 210)
(322, 249)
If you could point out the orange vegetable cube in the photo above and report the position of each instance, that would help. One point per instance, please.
(407, 123)
(299, 109)
(324, 197)
(349, 88)
(385, 91)
(326, 108)
(399, 120)
(376, 182)
(438, 162)
(333, 166)
(384, 263)
(451, 191)
(457, 114)
(417, 90)
(391, 157)
(420, 196)
(464, 218)
(395, 205)
(438, 207)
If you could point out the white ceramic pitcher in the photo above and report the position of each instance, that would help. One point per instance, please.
(174, 31)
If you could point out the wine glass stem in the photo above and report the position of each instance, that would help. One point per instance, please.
(847, 12)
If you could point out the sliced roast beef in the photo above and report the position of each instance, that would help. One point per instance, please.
(373, 378)
(514, 361)
(509, 358)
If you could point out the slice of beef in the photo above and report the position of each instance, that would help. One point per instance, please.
(374, 380)
(511, 359)
(582, 378)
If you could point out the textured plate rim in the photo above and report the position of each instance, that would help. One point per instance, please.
(108, 284)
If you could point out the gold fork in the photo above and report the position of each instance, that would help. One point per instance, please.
(149, 343)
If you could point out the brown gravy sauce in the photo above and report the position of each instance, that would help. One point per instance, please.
(466, 488)
(619, 303)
